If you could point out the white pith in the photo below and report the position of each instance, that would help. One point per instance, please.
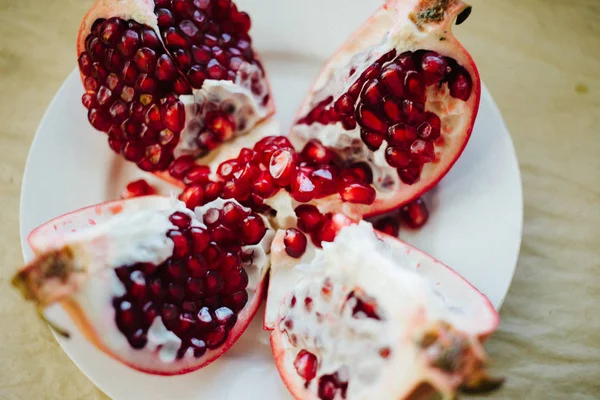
(409, 303)
(137, 234)
(390, 28)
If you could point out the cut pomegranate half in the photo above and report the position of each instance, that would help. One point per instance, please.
(369, 316)
(401, 95)
(157, 287)
(170, 79)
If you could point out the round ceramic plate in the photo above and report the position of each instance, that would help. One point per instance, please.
(476, 211)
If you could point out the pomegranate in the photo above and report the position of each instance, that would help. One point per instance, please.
(401, 95)
(152, 284)
(170, 80)
(368, 316)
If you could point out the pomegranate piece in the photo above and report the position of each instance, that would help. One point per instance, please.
(314, 322)
(205, 301)
(415, 98)
(141, 81)
(137, 189)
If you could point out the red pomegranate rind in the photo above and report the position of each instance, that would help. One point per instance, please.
(200, 292)
(139, 75)
(411, 97)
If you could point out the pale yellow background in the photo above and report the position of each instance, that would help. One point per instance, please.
(541, 61)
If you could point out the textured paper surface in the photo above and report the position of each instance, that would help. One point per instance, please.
(541, 61)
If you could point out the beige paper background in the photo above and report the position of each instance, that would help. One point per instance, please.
(541, 61)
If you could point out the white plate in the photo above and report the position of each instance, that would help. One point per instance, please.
(476, 211)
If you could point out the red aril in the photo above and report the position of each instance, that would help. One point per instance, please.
(404, 87)
(137, 189)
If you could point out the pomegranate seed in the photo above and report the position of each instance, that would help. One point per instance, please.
(229, 262)
(306, 365)
(309, 217)
(397, 157)
(145, 84)
(180, 166)
(137, 189)
(372, 140)
(111, 31)
(315, 152)
(225, 317)
(392, 78)
(253, 230)
(126, 317)
(345, 104)
(410, 175)
(325, 180)
(282, 166)
(196, 266)
(434, 67)
(369, 120)
(213, 256)
(236, 301)
(413, 112)
(358, 173)
(180, 220)
(402, 135)
(237, 280)
(216, 337)
(461, 85)
(392, 109)
(173, 116)
(372, 93)
(264, 186)
(422, 151)
(145, 59)
(415, 214)
(327, 388)
(214, 283)
(414, 88)
(232, 214)
(295, 243)
(303, 188)
(388, 225)
(213, 190)
(192, 196)
(99, 119)
(204, 318)
(358, 193)
(199, 238)
(181, 246)
(221, 125)
(222, 235)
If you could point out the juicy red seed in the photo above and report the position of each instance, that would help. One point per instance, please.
(345, 104)
(197, 174)
(309, 217)
(99, 119)
(213, 190)
(173, 39)
(181, 246)
(212, 216)
(165, 68)
(126, 316)
(229, 262)
(89, 100)
(214, 283)
(327, 387)
(392, 78)
(430, 129)
(225, 317)
(328, 231)
(111, 31)
(295, 243)
(215, 70)
(372, 93)
(221, 125)
(196, 266)
(303, 188)
(358, 193)
(193, 196)
(264, 186)
(213, 256)
(252, 230)
(282, 166)
(422, 151)
(222, 235)
(180, 220)
(369, 120)
(173, 116)
(325, 180)
(205, 318)
(195, 287)
(180, 166)
(145, 84)
(233, 214)
(410, 175)
(306, 365)
(461, 85)
(397, 157)
(434, 67)
(414, 87)
(236, 301)
(216, 337)
(392, 109)
(237, 280)
(361, 171)
(315, 152)
(402, 135)
(130, 42)
(413, 112)
(199, 238)
(145, 59)
(372, 140)
(137, 189)
(415, 214)
(165, 18)
(388, 225)
(138, 286)
(85, 63)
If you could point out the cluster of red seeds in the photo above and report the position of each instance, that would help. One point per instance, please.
(133, 78)
(200, 289)
(258, 174)
(388, 100)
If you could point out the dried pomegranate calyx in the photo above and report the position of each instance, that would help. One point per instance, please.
(368, 311)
